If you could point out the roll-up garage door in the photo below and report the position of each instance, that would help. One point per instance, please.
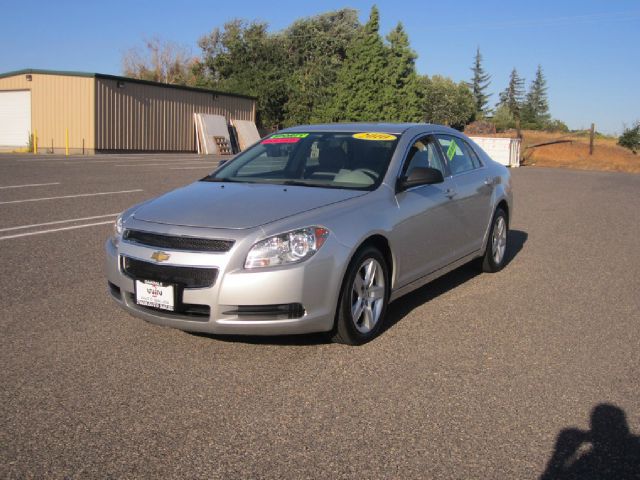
(15, 118)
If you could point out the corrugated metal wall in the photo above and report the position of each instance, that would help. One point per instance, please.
(59, 103)
(143, 117)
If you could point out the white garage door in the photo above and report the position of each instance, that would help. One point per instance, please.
(15, 118)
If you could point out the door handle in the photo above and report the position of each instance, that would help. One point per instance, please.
(489, 181)
(450, 192)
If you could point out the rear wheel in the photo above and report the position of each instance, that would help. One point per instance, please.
(495, 253)
(363, 299)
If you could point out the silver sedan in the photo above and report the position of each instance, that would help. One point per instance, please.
(313, 229)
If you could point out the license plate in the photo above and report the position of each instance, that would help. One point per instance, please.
(155, 294)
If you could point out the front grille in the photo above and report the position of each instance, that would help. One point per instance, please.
(188, 277)
(177, 243)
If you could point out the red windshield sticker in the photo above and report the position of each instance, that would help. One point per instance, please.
(280, 140)
(285, 138)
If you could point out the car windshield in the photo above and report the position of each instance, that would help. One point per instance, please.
(315, 159)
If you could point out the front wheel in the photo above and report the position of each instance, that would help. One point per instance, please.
(363, 299)
(495, 253)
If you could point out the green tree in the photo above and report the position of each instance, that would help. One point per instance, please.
(630, 138)
(245, 58)
(402, 102)
(478, 85)
(316, 48)
(512, 96)
(503, 119)
(446, 102)
(557, 126)
(359, 92)
(535, 112)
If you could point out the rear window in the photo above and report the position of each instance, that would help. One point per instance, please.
(316, 159)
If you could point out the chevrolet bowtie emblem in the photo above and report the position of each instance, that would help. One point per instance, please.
(160, 256)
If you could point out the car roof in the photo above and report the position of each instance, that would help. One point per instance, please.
(397, 128)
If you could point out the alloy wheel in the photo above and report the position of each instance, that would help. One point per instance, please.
(499, 240)
(367, 295)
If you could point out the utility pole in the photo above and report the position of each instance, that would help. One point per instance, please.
(591, 138)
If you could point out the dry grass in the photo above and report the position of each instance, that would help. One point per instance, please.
(607, 155)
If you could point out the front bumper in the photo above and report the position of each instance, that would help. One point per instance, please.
(240, 301)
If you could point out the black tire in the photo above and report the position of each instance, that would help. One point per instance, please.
(374, 301)
(491, 262)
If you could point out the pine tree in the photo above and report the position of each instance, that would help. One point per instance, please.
(359, 92)
(478, 85)
(513, 96)
(401, 89)
(536, 108)
(316, 50)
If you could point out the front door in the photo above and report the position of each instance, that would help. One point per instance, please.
(428, 233)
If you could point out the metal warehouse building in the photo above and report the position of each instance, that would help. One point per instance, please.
(92, 112)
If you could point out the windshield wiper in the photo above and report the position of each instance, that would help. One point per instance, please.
(300, 183)
(218, 179)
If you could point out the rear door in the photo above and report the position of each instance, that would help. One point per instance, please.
(473, 191)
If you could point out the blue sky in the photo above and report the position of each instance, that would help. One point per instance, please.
(588, 49)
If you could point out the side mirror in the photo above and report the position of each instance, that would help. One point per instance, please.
(420, 176)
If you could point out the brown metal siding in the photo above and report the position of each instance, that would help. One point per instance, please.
(59, 103)
(148, 117)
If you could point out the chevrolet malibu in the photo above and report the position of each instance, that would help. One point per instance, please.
(313, 229)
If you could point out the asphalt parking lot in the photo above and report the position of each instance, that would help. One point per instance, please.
(475, 376)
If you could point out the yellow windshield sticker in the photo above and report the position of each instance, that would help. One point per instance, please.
(380, 137)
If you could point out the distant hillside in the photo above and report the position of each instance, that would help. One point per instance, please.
(606, 155)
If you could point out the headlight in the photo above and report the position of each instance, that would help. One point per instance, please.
(117, 227)
(286, 248)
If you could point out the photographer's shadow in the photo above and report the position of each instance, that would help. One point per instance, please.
(608, 451)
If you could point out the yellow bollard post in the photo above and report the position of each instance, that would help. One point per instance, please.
(35, 142)
(66, 142)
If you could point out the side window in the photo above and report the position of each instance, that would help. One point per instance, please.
(472, 155)
(457, 154)
(423, 153)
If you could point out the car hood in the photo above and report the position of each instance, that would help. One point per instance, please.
(237, 205)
